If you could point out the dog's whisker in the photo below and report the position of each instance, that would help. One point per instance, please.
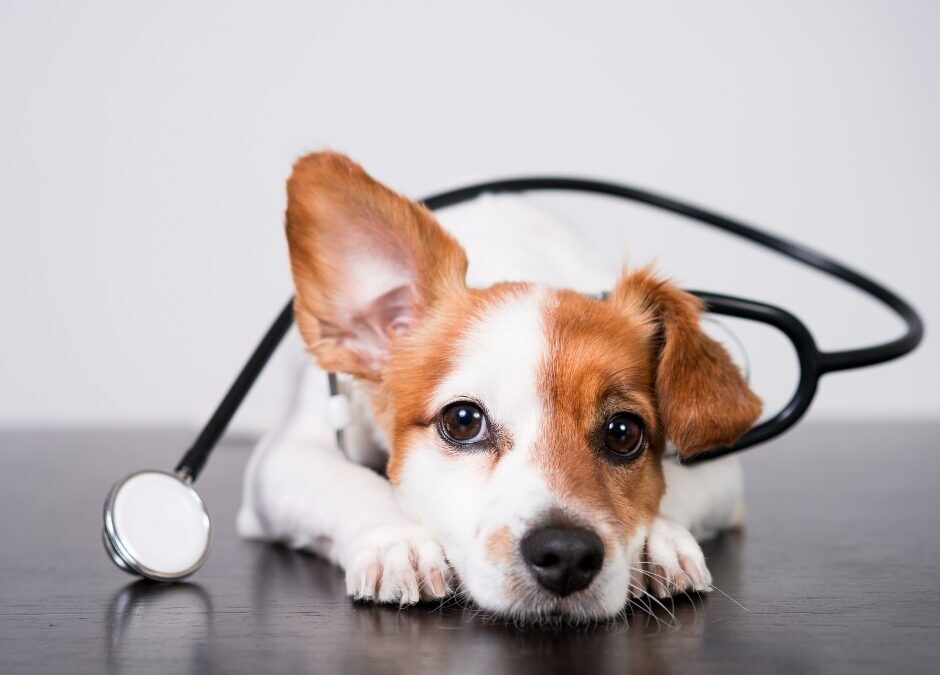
(731, 599)
(686, 593)
(637, 601)
(648, 609)
(667, 583)
(669, 612)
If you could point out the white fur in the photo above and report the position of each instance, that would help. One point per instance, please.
(300, 489)
(508, 239)
(704, 498)
(498, 360)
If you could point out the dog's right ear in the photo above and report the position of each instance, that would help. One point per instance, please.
(367, 262)
(703, 398)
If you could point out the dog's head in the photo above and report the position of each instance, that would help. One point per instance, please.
(526, 424)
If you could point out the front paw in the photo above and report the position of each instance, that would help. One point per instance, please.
(400, 564)
(673, 563)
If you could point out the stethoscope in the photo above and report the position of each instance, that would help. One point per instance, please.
(156, 526)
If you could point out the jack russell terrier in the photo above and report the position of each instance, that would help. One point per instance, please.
(522, 426)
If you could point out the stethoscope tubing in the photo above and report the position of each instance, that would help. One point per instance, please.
(814, 363)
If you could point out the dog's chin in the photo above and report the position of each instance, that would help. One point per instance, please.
(526, 604)
(542, 610)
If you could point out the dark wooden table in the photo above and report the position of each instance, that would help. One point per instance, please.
(838, 571)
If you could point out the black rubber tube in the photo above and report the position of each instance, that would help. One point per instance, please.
(830, 361)
(813, 363)
(195, 458)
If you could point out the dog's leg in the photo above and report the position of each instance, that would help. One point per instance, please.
(301, 490)
(700, 501)
(706, 498)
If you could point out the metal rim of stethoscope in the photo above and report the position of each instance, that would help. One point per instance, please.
(123, 556)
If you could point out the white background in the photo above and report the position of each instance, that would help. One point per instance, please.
(143, 151)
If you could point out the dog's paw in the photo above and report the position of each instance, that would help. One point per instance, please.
(673, 563)
(397, 564)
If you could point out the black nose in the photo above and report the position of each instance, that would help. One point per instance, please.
(563, 559)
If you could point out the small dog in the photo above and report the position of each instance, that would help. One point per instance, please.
(523, 426)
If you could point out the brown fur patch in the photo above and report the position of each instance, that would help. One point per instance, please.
(499, 546)
(599, 362)
(704, 400)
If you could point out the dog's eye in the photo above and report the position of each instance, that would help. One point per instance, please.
(624, 436)
(463, 423)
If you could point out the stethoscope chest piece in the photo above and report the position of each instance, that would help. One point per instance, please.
(155, 525)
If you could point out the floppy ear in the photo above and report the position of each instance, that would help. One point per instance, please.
(367, 262)
(702, 396)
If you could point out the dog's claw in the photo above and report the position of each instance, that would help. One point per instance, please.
(673, 562)
(397, 564)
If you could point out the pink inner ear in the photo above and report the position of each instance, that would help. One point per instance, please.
(372, 328)
(393, 312)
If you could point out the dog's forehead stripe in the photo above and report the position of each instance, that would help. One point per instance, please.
(497, 360)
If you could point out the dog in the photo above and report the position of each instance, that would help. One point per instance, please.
(509, 438)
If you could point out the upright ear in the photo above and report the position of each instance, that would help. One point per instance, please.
(702, 396)
(367, 262)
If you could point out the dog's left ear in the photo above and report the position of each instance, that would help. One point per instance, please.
(367, 263)
(703, 399)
